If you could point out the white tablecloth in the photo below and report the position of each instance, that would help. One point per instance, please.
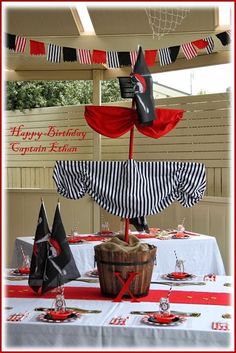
(94, 330)
(201, 254)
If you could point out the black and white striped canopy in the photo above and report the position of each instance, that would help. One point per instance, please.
(129, 188)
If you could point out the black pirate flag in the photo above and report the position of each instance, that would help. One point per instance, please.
(40, 251)
(139, 86)
(60, 266)
(143, 90)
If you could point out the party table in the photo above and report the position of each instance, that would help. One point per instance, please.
(211, 300)
(200, 253)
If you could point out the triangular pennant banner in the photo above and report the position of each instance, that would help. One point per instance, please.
(54, 53)
(164, 56)
(133, 57)
(189, 51)
(224, 37)
(10, 41)
(20, 44)
(69, 54)
(37, 48)
(99, 57)
(150, 57)
(112, 59)
(210, 46)
(124, 58)
(200, 44)
(174, 51)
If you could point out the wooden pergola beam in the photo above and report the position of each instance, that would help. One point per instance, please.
(222, 57)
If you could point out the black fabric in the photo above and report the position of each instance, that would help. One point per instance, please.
(40, 251)
(60, 267)
(10, 41)
(174, 51)
(140, 224)
(124, 58)
(224, 38)
(143, 91)
(69, 54)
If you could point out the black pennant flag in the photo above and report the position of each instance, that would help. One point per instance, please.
(69, 54)
(10, 41)
(174, 51)
(60, 266)
(124, 58)
(224, 37)
(40, 251)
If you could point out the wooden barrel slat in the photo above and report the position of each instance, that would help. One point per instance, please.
(109, 262)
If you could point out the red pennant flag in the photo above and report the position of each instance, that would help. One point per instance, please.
(37, 48)
(200, 43)
(150, 57)
(99, 57)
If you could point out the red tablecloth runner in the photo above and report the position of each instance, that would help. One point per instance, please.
(181, 297)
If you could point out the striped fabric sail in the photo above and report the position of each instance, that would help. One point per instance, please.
(54, 53)
(132, 189)
(20, 44)
(189, 51)
(164, 56)
(133, 57)
(210, 47)
(112, 59)
(84, 56)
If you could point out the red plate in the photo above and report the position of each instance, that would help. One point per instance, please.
(179, 275)
(24, 270)
(164, 319)
(59, 315)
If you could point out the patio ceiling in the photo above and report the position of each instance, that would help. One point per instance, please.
(121, 29)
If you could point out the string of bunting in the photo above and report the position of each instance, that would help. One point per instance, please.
(114, 59)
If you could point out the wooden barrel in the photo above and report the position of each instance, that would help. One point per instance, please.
(117, 261)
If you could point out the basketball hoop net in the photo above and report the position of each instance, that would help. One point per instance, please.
(165, 20)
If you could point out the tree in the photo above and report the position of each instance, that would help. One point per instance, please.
(36, 94)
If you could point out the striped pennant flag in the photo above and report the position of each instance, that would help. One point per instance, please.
(112, 59)
(20, 44)
(189, 51)
(210, 46)
(54, 53)
(224, 38)
(133, 57)
(164, 56)
(84, 56)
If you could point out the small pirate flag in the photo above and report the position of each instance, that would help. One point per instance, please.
(60, 267)
(52, 262)
(40, 251)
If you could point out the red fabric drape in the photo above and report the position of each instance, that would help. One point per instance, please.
(116, 121)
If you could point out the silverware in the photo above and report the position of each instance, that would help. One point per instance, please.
(180, 284)
(172, 312)
(78, 310)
